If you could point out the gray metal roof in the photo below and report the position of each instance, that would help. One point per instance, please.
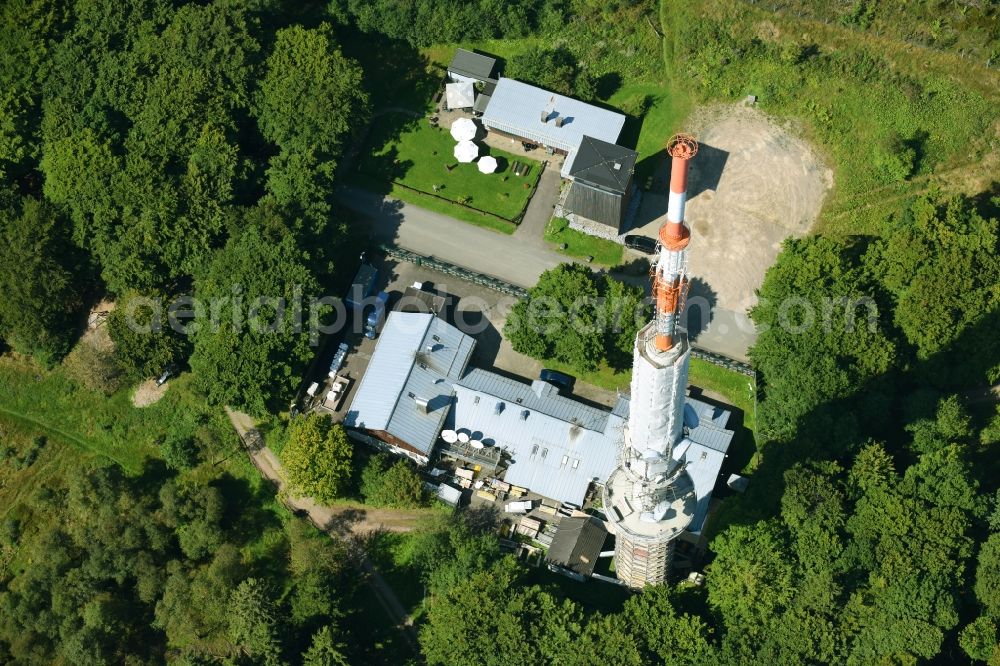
(473, 65)
(577, 544)
(603, 164)
(538, 396)
(482, 101)
(418, 357)
(557, 445)
(516, 108)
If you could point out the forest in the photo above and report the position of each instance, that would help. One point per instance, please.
(152, 149)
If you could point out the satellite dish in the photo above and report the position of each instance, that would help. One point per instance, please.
(463, 437)
(449, 436)
(476, 444)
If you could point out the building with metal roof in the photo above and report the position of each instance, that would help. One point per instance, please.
(602, 181)
(470, 66)
(710, 439)
(548, 119)
(576, 546)
(557, 446)
(408, 388)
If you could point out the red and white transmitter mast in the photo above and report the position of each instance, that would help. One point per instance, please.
(649, 498)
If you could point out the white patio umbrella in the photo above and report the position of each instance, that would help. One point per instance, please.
(487, 164)
(466, 151)
(463, 129)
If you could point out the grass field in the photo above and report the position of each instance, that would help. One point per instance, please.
(579, 244)
(408, 151)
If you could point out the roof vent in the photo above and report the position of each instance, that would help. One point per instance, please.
(559, 121)
(498, 408)
(525, 414)
(617, 166)
(421, 404)
(545, 116)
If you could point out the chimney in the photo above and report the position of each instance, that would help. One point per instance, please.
(421, 404)
(545, 116)
(559, 121)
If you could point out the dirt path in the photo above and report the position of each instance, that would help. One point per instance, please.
(340, 522)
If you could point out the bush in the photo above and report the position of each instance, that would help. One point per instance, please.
(179, 452)
(396, 486)
(94, 368)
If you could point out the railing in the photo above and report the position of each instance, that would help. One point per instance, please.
(455, 270)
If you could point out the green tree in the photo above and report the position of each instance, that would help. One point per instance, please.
(822, 335)
(554, 69)
(752, 578)
(980, 639)
(560, 319)
(253, 621)
(317, 457)
(311, 98)
(326, 649)
(946, 249)
(988, 576)
(145, 342)
(260, 288)
(664, 634)
(40, 279)
(390, 483)
(494, 619)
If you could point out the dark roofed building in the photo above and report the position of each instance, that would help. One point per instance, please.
(469, 66)
(577, 546)
(602, 181)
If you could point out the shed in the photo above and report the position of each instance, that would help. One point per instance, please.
(469, 66)
(602, 181)
(449, 494)
(577, 545)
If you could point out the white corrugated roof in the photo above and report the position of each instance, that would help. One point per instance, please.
(516, 108)
(557, 445)
(418, 356)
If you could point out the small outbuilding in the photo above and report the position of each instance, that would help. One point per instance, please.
(602, 182)
(470, 67)
(577, 546)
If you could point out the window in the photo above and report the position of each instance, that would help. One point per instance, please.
(576, 463)
(565, 459)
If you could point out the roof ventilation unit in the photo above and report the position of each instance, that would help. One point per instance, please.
(421, 404)
(498, 408)
(525, 414)
(559, 121)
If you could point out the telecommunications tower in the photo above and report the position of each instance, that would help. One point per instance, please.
(650, 498)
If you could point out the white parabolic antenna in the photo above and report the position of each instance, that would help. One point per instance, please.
(463, 437)
(476, 444)
(449, 436)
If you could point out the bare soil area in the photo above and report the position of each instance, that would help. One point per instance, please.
(752, 184)
(148, 392)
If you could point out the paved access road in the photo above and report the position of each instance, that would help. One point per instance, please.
(519, 258)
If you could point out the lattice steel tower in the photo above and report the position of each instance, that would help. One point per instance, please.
(649, 498)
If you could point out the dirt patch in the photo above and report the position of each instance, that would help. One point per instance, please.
(96, 334)
(753, 183)
(147, 393)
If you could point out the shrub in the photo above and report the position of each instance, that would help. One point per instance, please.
(395, 485)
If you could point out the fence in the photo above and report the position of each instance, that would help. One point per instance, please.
(454, 270)
(507, 288)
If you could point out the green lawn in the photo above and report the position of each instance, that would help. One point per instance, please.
(408, 152)
(579, 244)
(108, 426)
